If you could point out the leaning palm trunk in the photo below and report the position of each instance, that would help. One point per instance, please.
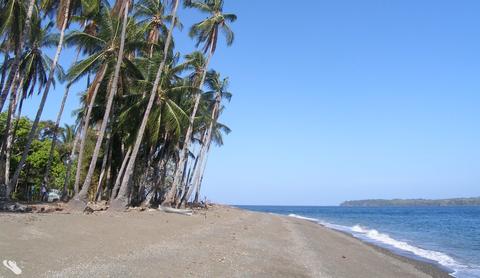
(198, 171)
(170, 198)
(33, 131)
(120, 174)
(198, 175)
(106, 158)
(199, 187)
(122, 199)
(16, 61)
(46, 177)
(80, 199)
(86, 122)
(70, 162)
(4, 71)
(159, 180)
(198, 163)
(13, 97)
(8, 139)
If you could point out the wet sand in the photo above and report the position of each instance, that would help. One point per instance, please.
(220, 242)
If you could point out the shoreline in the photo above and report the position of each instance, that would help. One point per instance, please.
(426, 265)
(430, 268)
(222, 241)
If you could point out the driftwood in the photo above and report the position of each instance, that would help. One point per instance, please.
(174, 210)
(14, 207)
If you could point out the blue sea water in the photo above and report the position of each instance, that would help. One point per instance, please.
(446, 236)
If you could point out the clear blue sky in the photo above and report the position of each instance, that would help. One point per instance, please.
(337, 100)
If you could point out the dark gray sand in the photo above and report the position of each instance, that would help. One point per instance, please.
(221, 242)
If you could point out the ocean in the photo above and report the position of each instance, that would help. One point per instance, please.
(446, 236)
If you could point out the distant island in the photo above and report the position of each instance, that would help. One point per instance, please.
(412, 202)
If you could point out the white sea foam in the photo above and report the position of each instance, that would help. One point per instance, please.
(384, 240)
(372, 234)
(303, 218)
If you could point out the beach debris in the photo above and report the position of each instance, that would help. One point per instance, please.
(174, 210)
(14, 207)
(46, 208)
(139, 209)
(88, 210)
(96, 206)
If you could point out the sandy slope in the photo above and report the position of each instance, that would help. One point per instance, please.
(223, 242)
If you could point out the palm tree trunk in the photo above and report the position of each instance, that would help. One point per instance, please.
(70, 163)
(121, 201)
(189, 185)
(120, 174)
(159, 180)
(106, 156)
(8, 138)
(17, 81)
(15, 99)
(46, 177)
(16, 61)
(182, 187)
(81, 197)
(4, 71)
(169, 199)
(198, 176)
(146, 176)
(86, 123)
(51, 76)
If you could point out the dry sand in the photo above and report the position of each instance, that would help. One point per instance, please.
(222, 242)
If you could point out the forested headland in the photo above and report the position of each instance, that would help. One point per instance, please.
(413, 202)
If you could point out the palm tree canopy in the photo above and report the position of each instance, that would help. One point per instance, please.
(35, 63)
(206, 31)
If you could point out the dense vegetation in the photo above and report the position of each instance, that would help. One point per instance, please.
(148, 114)
(413, 202)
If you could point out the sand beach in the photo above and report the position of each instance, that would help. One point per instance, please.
(219, 242)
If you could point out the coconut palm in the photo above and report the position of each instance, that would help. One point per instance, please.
(15, 24)
(145, 124)
(152, 15)
(166, 115)
(101, 42)
(62, 23)
(122, 201)
(206, 33)
(218, 89)
(33, 69)
(81, 198)
(91, 11)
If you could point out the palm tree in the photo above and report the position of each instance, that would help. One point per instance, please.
(80, 199)
(13, 19)
(91, 9)
(218, 90)
(152, 13)
(121, 202)
(100, 40)
(13, 16)
(33, 69)
(69, 162)
(46, 176)
(63, 23)
(206, 33)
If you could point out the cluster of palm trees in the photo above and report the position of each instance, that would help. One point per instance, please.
(149, 112)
